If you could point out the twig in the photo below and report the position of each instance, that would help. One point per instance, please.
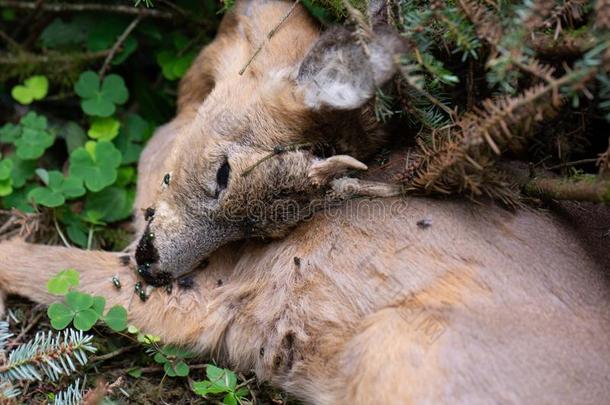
(110, 8)
(117, 45)
(30, 58)
(593, 190)
(276, 151)
(113, 354)
(270, 34)
(156, 369)
(573, 163)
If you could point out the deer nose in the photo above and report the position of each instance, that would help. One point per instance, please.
(147, 258)
(146, 252)
(153, 275)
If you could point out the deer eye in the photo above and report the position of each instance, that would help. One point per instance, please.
(222, 176)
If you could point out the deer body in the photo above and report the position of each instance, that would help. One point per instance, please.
(360, 304)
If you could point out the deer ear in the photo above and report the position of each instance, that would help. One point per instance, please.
(343, 70)
(323, 171)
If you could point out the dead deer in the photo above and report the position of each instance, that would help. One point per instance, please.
(393, 300)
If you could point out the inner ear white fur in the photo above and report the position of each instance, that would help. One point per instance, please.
(323, 171)
(341, 73)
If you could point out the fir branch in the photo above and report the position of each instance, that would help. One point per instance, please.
(460, 157)
(73, 395)
(8, 391)
(536, 13)
(51, 354)
(486, 24)
(570, 11)
(4, 336)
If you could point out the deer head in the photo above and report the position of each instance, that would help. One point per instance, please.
(249, 161)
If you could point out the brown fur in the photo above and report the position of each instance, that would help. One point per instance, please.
(482, 306)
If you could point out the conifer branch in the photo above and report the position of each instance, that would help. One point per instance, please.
(49, 354)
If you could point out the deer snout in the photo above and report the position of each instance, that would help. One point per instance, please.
(147, 259)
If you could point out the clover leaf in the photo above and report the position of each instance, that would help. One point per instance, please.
(34, 88)
(96, 163)
(58, 189)
(104, 129)
(173, 65)
(116, 318)
(110, 205)
(34, 138)
(63, 281)
(78, 309)
(221, 381)
(9, 133)
(172, 358)
(134, 131)
(22, 170)
(6, 181)
(100, 97)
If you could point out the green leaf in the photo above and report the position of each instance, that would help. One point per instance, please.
(18, 199)
(57, 190)
(174, 66)
(230, 399)
(99, 169)
(47, 197)
(100, 99)
(104, 34)
(221, 377)
(99, 303)
(60, 34)
(135, 372)
(74, 135)
(104, 129)
(114, 88)
(6, 166)
(87, 85)
(116, 318)
(34, 139)
(79, 301)
(134, 131)
(60, 315)
(85, 319)
(22, 170)
(6, 187)
(63, 281)
(9, 133)
(34, 88)
(110, 205)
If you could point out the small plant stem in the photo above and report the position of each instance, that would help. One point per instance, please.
(59, 232)
(117, 45)
(270, 35)
(90, 237)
